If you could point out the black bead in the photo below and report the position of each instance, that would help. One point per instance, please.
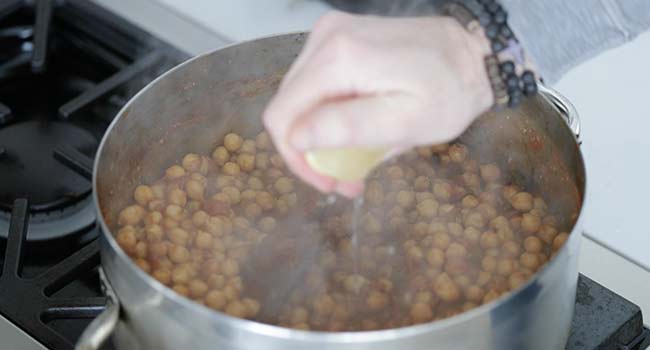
(515, 97)
(497, 46)
(512, 82)
(530, 89)
(514, 102)
(493, 8)
(484, 19)
(507, 68)
(492, 31)
(475, 8)
(500, 17)
(528, 77)
(505, 32)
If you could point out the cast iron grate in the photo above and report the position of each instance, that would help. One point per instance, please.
(29, 302)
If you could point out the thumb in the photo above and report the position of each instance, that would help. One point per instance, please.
(366, 121)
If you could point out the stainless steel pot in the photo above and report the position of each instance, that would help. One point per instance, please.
(196, 103)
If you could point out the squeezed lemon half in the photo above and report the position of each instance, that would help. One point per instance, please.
(345, 164)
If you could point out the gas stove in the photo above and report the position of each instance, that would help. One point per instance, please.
(66, 68)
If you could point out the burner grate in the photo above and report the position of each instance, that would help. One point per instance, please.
(29, 302)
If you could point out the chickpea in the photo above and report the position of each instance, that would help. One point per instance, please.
(248, 146)
(559, 240)
(442, 190)
(436, 257)
(131, 215)
(456, 250)
(511, 249)
(246, 162)
(530, 223)
(491, 295)
(178, 254)
(490, 172)
(499, 222)
(127, 240)
(354, 283)
(262, 161)
(522, 201)
(267, 224)
(516, 280)
(529, 261)
(376, 300)
(230, 267)
(197, 288)
(428, 208)
(231, 168)
(174, 172)
(174, 212)
(203, 240)
(489, 263)
(283, 185)
(178, 236)
(421, 183)
(441, 148)
(159, 190)
(441, 240)
(143, 195)
(220, 155)
(473, 181)
(263, 141)
(470, 201)
(192, 162)
(505, 267)
(489, 239)
(424, 152)
(152, 218)
(422, 196)
(181, 275)
(533, 245)
(475, 219)
(154, 233)
(232, 142)
(547, 234)
(472, 235)
(446, 289)
(455, 229)
(215, 299)
(141, 250)
(395, 172)
(143, 265)
(248, 195)
(458, 153)
(421, 313)
(163, 276)
(265, 200)
(487, 210)
(177, 196)
(406, 199)
(255, 183)
(474, 293)
(299, 315)
(194, 190)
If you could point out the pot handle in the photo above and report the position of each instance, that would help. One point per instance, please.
(565, 107)
(103, 325)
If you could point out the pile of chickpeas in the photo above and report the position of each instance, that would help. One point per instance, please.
(436, 233)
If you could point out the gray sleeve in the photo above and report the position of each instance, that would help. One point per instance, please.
(560, 34)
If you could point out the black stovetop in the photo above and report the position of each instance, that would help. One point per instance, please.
(66, 68)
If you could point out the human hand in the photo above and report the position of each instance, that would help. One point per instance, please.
(390, 83)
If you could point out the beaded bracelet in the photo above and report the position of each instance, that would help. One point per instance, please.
(509, 80)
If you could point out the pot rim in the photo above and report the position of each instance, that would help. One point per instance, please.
(294, 334)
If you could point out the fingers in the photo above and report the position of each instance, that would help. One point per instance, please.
(372, 121)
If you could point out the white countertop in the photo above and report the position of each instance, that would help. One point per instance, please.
(610, 94)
